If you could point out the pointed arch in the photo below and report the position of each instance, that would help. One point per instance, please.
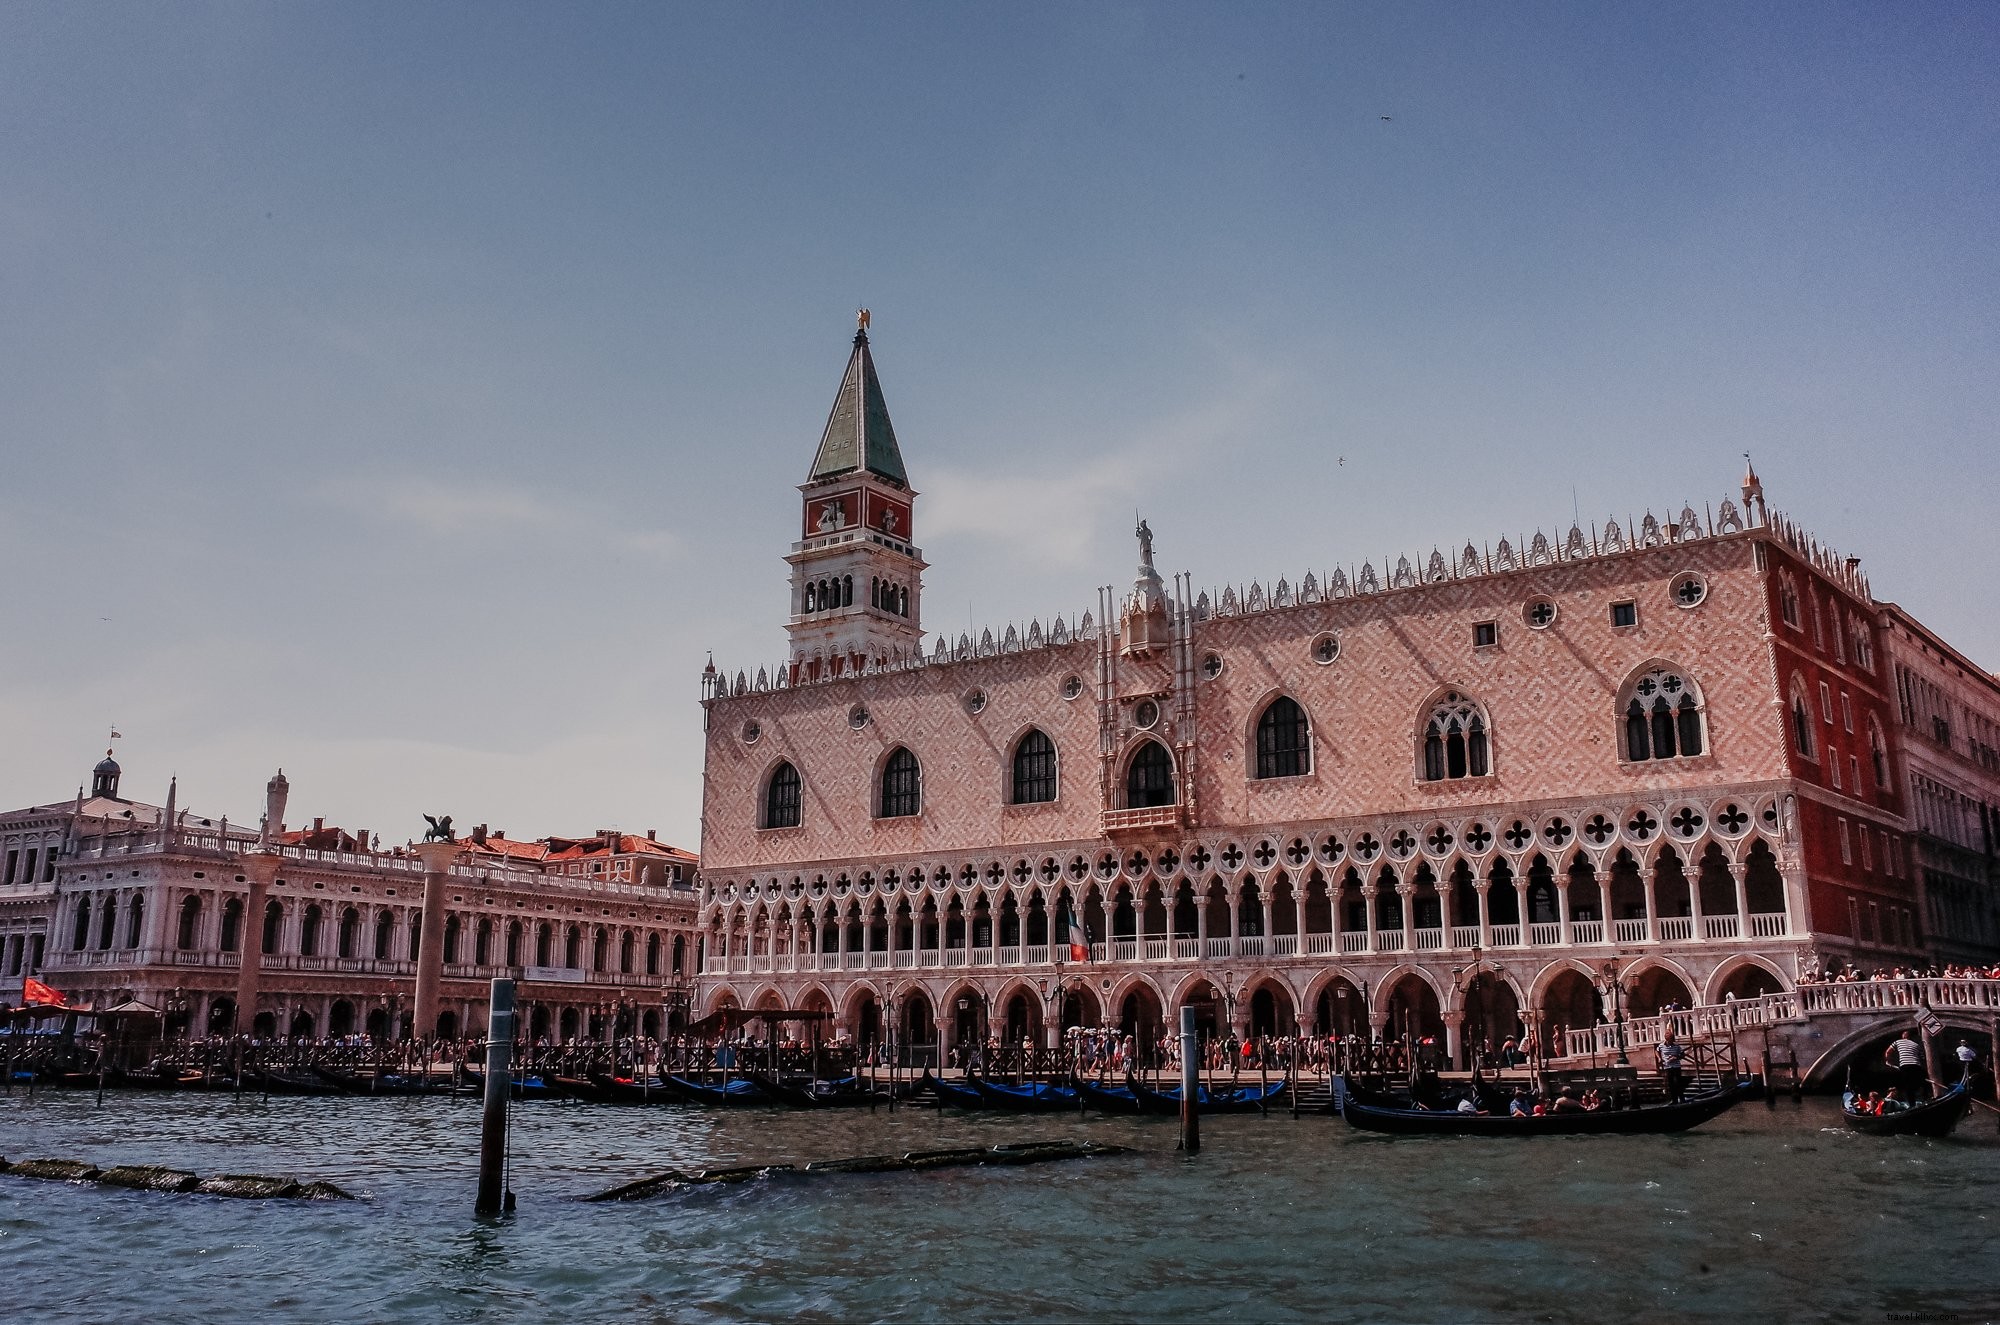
(1283, 744)
(900, 792)
(1033, 779)
(1661, 714)
(782, 796)
(1802, 721)
(1454, 738)
(1149, 776)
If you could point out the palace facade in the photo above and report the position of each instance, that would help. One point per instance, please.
(114, 901)
(1649, 762)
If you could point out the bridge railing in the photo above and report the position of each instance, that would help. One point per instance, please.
(1718, 1019)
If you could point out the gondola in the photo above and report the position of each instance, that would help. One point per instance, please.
(578, 1088)
(1935, 1117)
(734, 1091)
(633, 1090)
(525, 1088)
(1109, 1099)
(955, 1093)
(1239, 1099)
(287, 1083)
(1035, 1097)
(842, 1093)
(379, 1083)
(1449, 1122)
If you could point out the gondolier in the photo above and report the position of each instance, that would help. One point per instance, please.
(1907, 1056)
(1673, 1058)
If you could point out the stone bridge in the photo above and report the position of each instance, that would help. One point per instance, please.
(1821, 1027)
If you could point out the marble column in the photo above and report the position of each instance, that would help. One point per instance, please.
(437, 858)
(260, 869)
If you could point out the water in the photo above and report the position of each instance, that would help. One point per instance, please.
(1780, 1215)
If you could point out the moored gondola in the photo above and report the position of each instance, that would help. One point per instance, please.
(1935, 1118)
(955, 1093)
(1239, 1099)
(840, 1093)
(1033, 1097)
(735, 1091)
(1108, 1099)
(1449, 1122)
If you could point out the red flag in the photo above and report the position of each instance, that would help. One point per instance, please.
(34, 992)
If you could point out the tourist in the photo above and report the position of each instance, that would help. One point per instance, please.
(1518, 1107)
(1672, 1059)
(1467, 1104)
(1907, 1057)
(1567, 1102)
(1968, 1060)
(1893, 1102)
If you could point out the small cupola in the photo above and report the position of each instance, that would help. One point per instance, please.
(104, 778)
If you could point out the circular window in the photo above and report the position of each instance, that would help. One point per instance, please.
(1689, 590)
(1540, 613)
(975, 701)
(857, 717)
(1146, 714)
(751, 731)
(1072, 687)
(1211, 666)
(1325, 648)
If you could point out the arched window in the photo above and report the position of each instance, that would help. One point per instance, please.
(625, 949)
(416, 934)
(680, 952)
(1878, 754)
(1149, 780)
(482, 943)
(573, 949)
(652, 954)
(274, 919)
(544, 943)
(1663, 717)
(80, 937)
(451, 933)
(809, 599)
(1284, 740)
(902, 785)
(309, 932)
(1788, 599)
(847, 591)
(1034, 768)
(350, 933)
(1802, 723)
(135, 921)
(385, 935)
(781, 798)
(600, 946)
(232, 924)
(108, 922)
(190, 927)
(514, 943)
(1455, 741)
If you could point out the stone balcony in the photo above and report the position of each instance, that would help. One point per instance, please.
(1583, 935)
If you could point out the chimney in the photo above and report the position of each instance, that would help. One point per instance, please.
(500, 833)
(652, 836)
(319, 824)
(479, 835)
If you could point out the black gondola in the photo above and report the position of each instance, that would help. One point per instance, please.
(1240, 1099)
(1109, 1099)
(842, 1093)
(1931, 1118)
(1035, 1097)
(955, 1093)
(1449, 1122)
(735, 1091)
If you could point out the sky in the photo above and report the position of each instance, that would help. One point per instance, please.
(412, 396)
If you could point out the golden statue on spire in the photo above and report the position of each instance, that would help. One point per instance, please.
(861, 319)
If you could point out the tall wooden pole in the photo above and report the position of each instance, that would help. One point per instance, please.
(1190, 1083)
(493, 1197)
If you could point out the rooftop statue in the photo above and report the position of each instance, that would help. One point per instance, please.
(439, 830)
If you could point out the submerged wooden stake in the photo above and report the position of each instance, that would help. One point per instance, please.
(1190, 1083)
(493, 1196)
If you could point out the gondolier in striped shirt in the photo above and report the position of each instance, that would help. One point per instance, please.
(1907, 1057)
(1672, 1059)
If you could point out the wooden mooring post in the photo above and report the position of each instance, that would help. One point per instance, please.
(1190, 1083)
(494, 1198)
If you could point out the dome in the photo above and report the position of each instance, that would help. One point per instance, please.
(107, 766)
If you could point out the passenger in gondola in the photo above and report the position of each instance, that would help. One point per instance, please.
(1592, 1101)
(1892, 1103)
(1468, 1104)
(1567, 1102)
(1520, 1106)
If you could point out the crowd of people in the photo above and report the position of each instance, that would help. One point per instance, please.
(1849, 974)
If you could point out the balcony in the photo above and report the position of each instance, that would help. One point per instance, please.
(1586, 931)
(1545, 934)
(1147, 817)
(1430, 940)
(1769, 925)
(1465, 936)
(1630, 931)
(1505, 936)
(1718, 927)
(1354, 940)
(1676, 929)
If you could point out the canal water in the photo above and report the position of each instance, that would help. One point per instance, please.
(1762, 1215)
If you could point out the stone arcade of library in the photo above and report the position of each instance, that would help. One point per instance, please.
(1655, 761)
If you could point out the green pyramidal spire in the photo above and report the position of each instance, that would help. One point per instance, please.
(858, 433)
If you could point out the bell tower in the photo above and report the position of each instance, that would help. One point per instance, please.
(857, 579)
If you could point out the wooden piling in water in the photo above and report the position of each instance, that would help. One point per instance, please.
(1190, 1083)
(493, 1197)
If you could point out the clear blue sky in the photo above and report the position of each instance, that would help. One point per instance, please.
(411, 396)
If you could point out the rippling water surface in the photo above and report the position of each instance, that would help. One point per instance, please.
(1774, 1215)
